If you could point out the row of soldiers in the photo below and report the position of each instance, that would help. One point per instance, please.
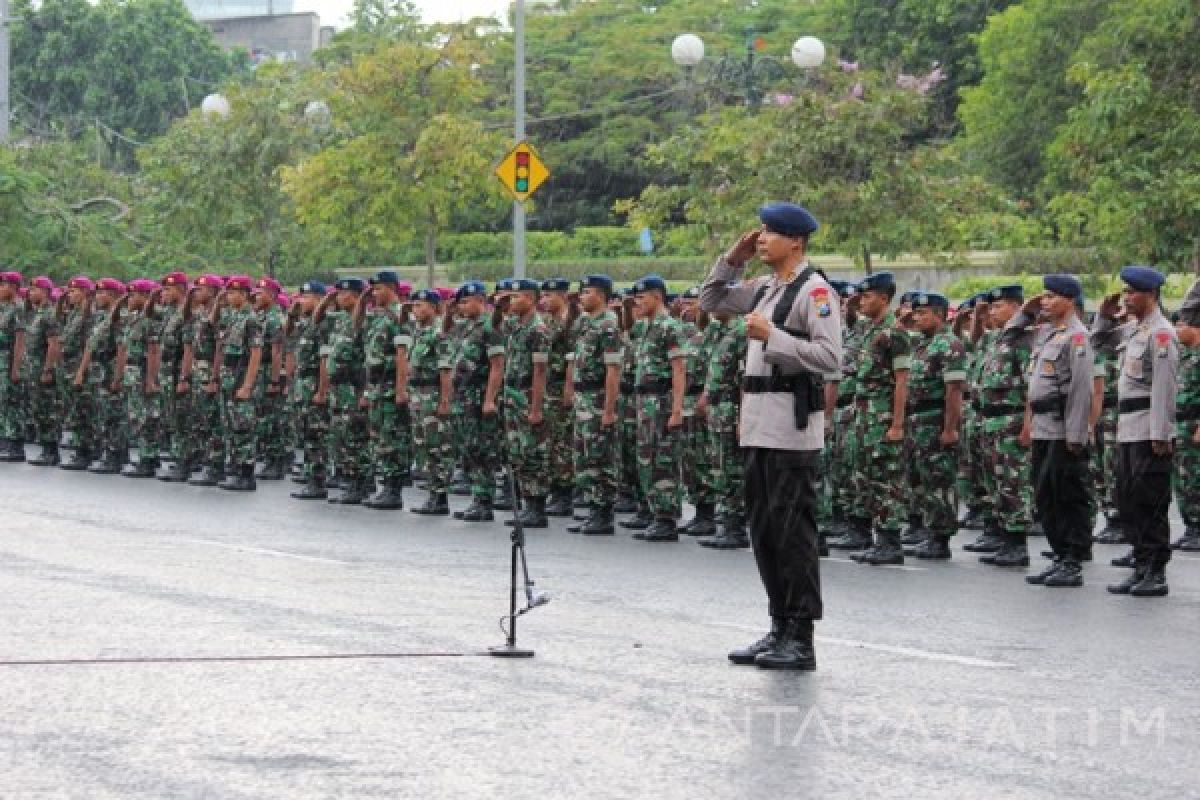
(612, 401)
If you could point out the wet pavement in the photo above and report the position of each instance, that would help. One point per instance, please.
(950, 680)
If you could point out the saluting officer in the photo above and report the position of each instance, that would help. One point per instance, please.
(795, 332)
(1058, 426)
(1145, 427)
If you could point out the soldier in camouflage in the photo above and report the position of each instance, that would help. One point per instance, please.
(205, 445)
(1104, 454)
(1187, 421)
(97, 372)
(970, 462)
(12, 335)
(721, 405)
(343, 380)
(696, 465)
(387, 341)
(271, 434)
(311, 328)
(137, 364)
(630, 497)
(43, 349)
(559, 316)
(847, 467)
(526, 358)
(75, 310)
(429, 390)
(660, 384)
(239, 358)
(175, 405)
(934, 411)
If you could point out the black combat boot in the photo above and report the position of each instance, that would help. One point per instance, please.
(1069, 575)
(1113, 533)
(794, 647)
(47, 458)
(240, 479)
(559, 504)
(435, 505)
(856, 537)
(626, 503)
(1013, 553)
(107, 464)
(915, 532)
(388, 497)
(271, 470)
(744, 656)
(601, 523)
(1040, 578)
(1132, 580)
(207, 476)
(972, 520)
(12, 451)
(663, 530)
(1190, 543)
(459, 485)
(732, 536)
(77, 461)
(989, 542)
(353, 493)
(174, 472)
(480, 510)
(1127, 561)
(704, 523)
(581, 521)
(644, 519)
(935, 548)
(534, 515)
(314, 489)
(142, 468)
(888, 552)
(1154, 584)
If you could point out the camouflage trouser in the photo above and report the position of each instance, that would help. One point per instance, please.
(727, 459)
(348, 438)
(477, 442)
(627, 474)
(238, 420)
(887, 489)
(846, 469)
(205, 442)
(12, 412)
(658, 451)
(432, 437)
(595, 450)
(932, 469)
(78, 413)
(1007, 479)
(312, 426)
(44, 409)
(525, 445)
(825, 488)
(143, 412)
(1104, 462)
(175, 419)
(270, 425)
(970, 463)
(560, 421)
(1187, 473)
(695, 466)
(110, 430)
(390, 431)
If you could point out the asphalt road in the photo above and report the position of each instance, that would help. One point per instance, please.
(940, 680)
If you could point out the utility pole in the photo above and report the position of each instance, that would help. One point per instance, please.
(4, 53)
(518, 131)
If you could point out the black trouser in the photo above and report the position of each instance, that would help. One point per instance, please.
(781, 503)
(1060, 496)
(1144, 494)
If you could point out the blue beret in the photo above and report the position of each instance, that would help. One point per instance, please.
(929, 300)
(471, 289)
(312, 287)
(628, 291)
(1143, 279)
(907, 297)
(525, 285)
(505, 285)
(788, 219)
(386, 276)
(556, 285)
(429, 296)
(649, 284)
(843, 288)
(878, 281)
(1065, 285)
(601, 282)
(1013, 291)
(353, 284)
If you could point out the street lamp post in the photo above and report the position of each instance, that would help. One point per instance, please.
(688, 51)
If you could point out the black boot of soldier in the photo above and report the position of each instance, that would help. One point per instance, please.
(175, 472)
(989, 542)
(601, 523)
(643, 520)
(733, 535)
(272, 470)
(744, 656)
(314, 489)
(935, 548)
(480, 510)
(240, 479)
(139, 469)
(77, 461)
(353, 494)
(794, 648)
(888, 552)
(915, 532)
(1068, 576)
(582, 521)
(388, 498)
(663, 530)
(626, 503)
(12, 451)
(559, 504)
(704, 523)
(973, 519)
(106, 464)
(857, 536)
(47, 458)
(1154, 584)
(534, 515)
(435, 505)
(1113, 533)
(1125, 586)
(206, 476)
(1014, 552)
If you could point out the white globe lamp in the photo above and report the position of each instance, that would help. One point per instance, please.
(215, 105)
(808, 52)
(687, 50)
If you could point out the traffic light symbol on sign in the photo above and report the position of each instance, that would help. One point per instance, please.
(522, 182)
(522, 172)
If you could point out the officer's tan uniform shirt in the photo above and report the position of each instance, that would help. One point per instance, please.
(1061, 368)
(768, 419)
(1149, 369)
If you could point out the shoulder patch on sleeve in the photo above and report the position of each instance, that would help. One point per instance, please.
(820, 298)
(1163, 341)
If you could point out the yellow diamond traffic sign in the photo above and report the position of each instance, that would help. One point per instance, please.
(522, 172)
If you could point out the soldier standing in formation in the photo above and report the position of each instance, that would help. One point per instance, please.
(12, 343)
(43, 349)
(387, 341)
(1187, 422)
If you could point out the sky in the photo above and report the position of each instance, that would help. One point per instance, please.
(334, 12)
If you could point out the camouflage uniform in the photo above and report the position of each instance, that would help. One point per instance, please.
(971, 452)
(110, 431)
(1104, 454)
(389, 425)
(312, 420)
(142, 409)
(658, 447)
(886, 349)
(175, 406)
(937, 360)
(205, 442)
(12, 419)
(1187, 452)
(348, 438)
(77, 410)
(723, 390)
(45, 413)
(559, 419)
(696, 466)
(628, 477)
(477, 436)
(597, 346)
(432, 437)
(271, 418)
(847, 473)
(241, 334)
(526, 444)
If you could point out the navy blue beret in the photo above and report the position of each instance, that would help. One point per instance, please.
(429, 296)
(386, 276)
(471, 289)
(556, 285)
(525, 285)
(929, 300)
(843, 288)
(353, 284)
(597, 281)
(788, 219)
(1013, 291)
(880, 280)
(649, 284)
(1064, 285)
(506, 285)
(1143, 279)
(907, 297)
(312, 287)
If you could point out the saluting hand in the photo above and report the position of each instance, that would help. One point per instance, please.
(745, 249)
(1033, 306)
(1110, 305)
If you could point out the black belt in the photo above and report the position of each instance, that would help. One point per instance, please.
(721, 397)
(926, 407)
(1188, 414)
(990, 410)
(762, 384)
(350, 376)
(843, 402)
(1049, 405)
(1110, 401)
(426, 383)
(474, 381)
(694, 391)
(1133, 404)
(308, 373)
(377, 373)
(589, 386)
(627, 388)
(652, 387)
